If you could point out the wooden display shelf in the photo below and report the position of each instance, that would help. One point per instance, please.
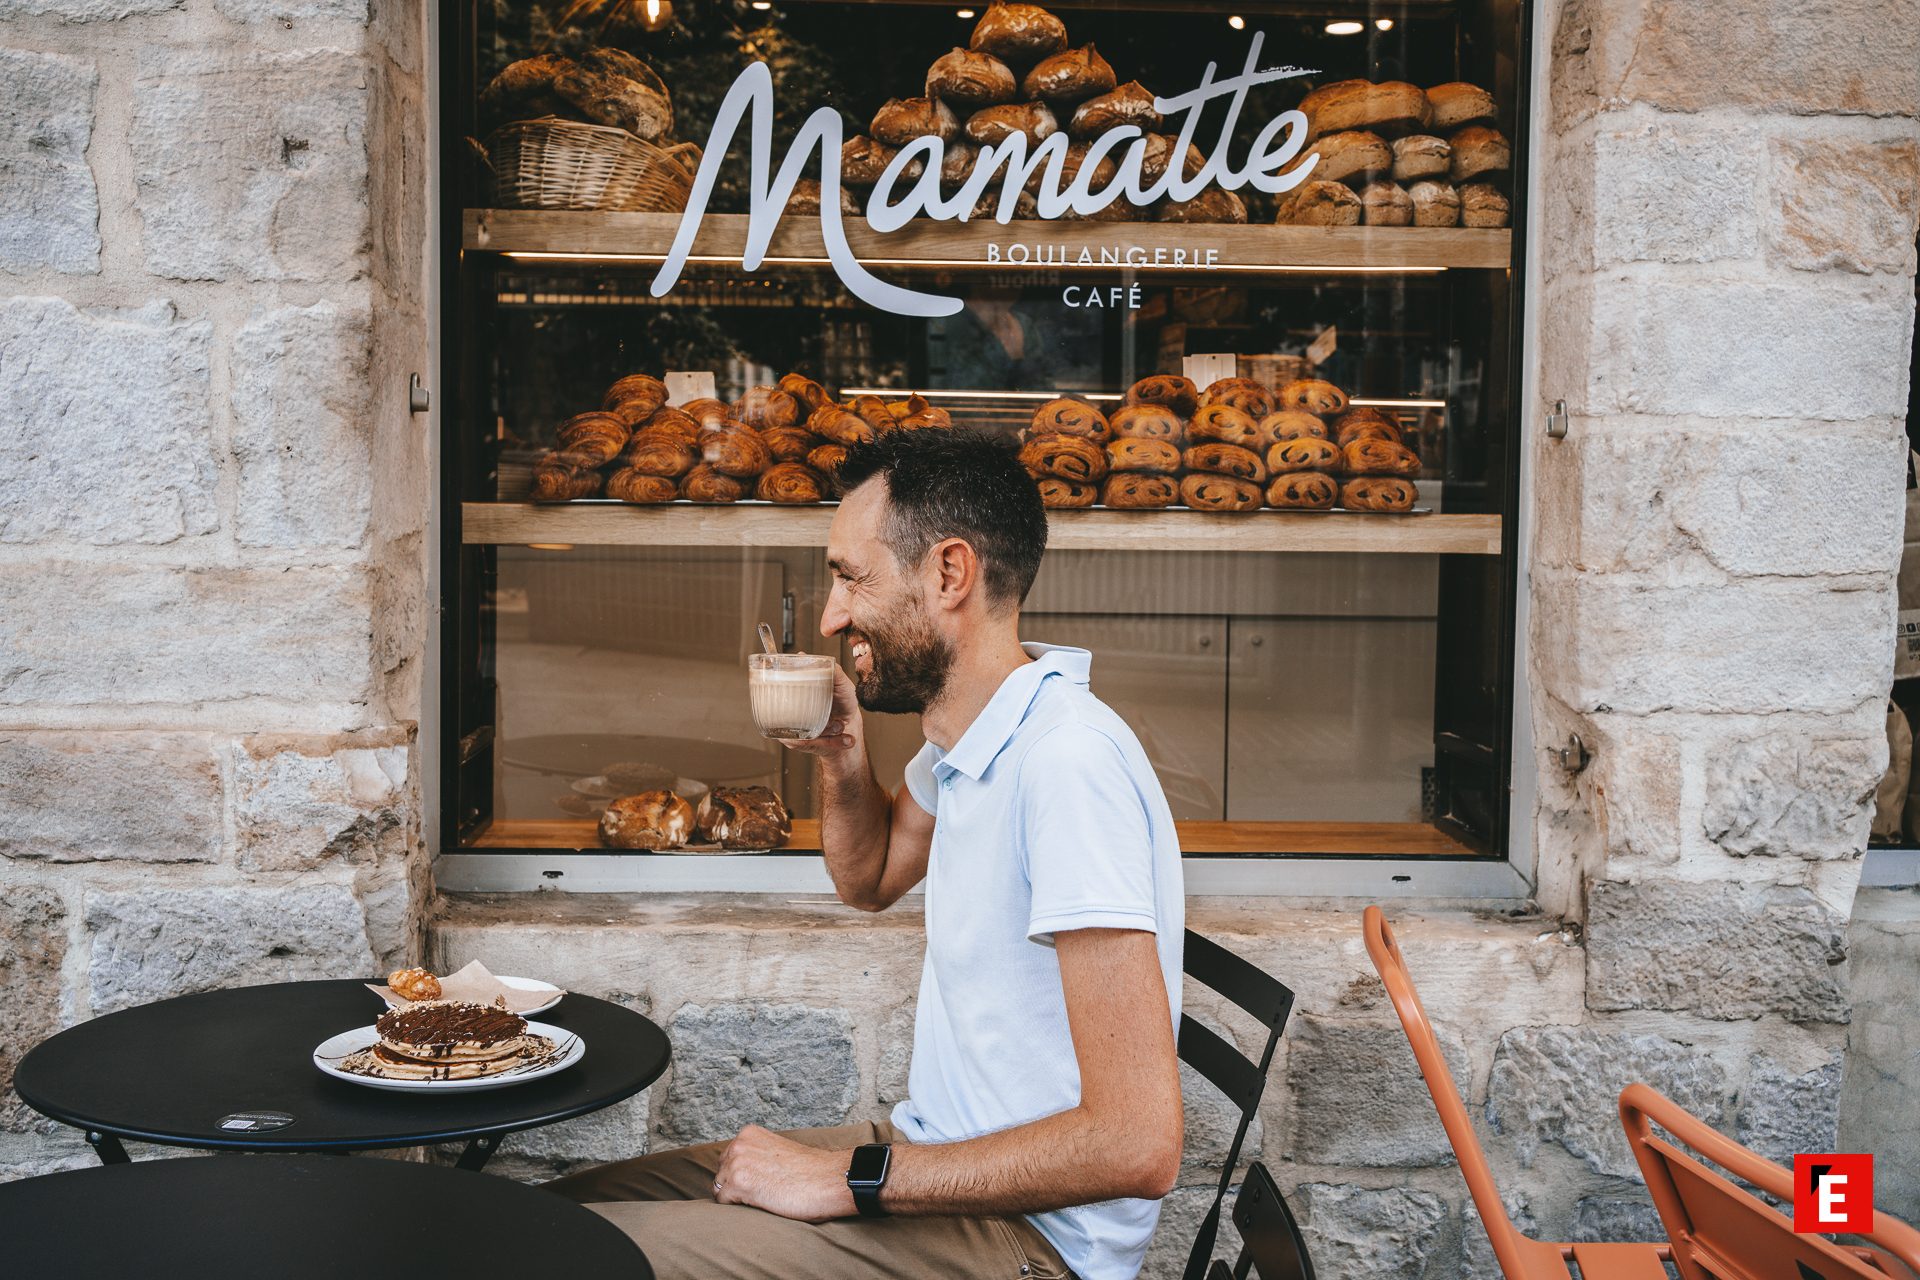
(1379, 839)
(965, 245)
(755, 525)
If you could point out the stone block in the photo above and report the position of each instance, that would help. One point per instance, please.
(83, 10)
(302, 423)
(252, 165)
(394, 895)
(1605, 1218)
(1843, 204)
(33, 946)
(1781, 1115)
(1673, 192)
(105, 431)
(1562, 1085)
(281, 11)
(1722, 951)
(302, 801)
(1750, 646)
(1476, 1250)
(1636, 794)
(1359, 1098)
(1181, 1212)
(49, 206)
(618, 1132)
(1210, 1117)
(1882, 1074)
(203, 635)
(896, 1057)
(152, 943)
(1793, 795)
(783, 1066)
(1389, 1233)
(91, 797)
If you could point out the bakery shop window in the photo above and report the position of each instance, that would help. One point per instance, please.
(1238, 283)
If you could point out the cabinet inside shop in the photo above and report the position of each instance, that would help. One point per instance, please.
(1275, 429)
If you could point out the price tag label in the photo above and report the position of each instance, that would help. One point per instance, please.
(1321, 347)
(254, 1121)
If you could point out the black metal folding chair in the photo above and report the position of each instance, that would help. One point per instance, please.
(1260, 1213)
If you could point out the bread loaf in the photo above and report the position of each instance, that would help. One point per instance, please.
(1421, 155)
(1138, 491)
(1385, 204)
(650, 820)
(1055, 492)
(524, 91)
(1435, 204)
(807, 194)
(612, 87)
(1477, 150)
(1070, 76)
(901, 120)
(1319, 204)
(1204, 491)
(969, 80)
(791, 484)
(1018, 33)
(1065, 457)
(1130, 103)
(1078, 153)
(1352, 156)
(704, 484)
(1303, 454)
(1070, 417)
(1291, 424)
(1226, 460)
(992, 125)
(1211, 205)
(1303, 491)
(742, 818)
(1146, 422)
(640, 487)
(1224, 423)
(1143, 455)
(956, 163)
(863, 160)
(1312, 395)
(1156, 154)
(1483, 205)
(1378, 493)
(1389, 109)
(1459, 104)
(1365, 457)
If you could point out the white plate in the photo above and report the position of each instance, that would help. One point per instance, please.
(523, 984)
(336, 1049)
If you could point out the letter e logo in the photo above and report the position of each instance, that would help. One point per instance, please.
(1833, 1194)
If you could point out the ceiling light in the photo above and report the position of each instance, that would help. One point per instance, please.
(1237, 22)
(1345, 28)
(656, 14)
(1383, 24)
(963, 13)
(762, 4)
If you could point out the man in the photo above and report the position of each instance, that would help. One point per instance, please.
(1044, 1121)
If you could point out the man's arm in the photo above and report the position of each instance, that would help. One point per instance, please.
(876, 846)
(1122, 1140)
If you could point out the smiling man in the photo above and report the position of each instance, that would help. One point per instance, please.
(1044, 1120)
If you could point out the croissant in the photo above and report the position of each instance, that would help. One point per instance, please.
(1378, 493)
(788, 444)
(678, 421)
(809, 393)
(1018, 32)
(970, 80)
(1304, 453)
(598, 437)
(1167, 389)
(991, 126)
(1224, 423)
(1055, 492)
(707, 411)
(768, 407)
(1070, 418)
(562, 477)
(704, 484)
(873, 411)
(862, 161)
(663, 454)
(1206, 492)
(636, 388)
(1313, 396)
(632, 485)
(826, 458)
(1379, 458)
(1244, 394)
(1143, 455)
(838, 425)
(1131, 103)
(1147, 422)
(735, 451)
(1304, 490)
(791, 483)
(1069, 76)
(1364, 422)
(1226, 460)
(1137, 492)
(1064, 457)
(1291, 424)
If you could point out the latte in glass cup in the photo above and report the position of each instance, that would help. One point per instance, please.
(791, 693)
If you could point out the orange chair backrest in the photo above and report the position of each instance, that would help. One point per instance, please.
(1721, 1231)
(1509, 1246)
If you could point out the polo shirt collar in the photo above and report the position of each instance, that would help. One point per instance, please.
(997, 722)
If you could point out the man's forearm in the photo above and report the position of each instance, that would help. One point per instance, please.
(855, 816)
(1070, 1158)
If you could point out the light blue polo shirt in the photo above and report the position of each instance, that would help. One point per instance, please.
(1047, 818)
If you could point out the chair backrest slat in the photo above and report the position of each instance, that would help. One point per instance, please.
(1211, 964)
(1225, 1068)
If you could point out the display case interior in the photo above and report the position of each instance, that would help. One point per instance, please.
(1295, 568)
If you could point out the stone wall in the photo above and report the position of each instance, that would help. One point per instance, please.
(212, 504)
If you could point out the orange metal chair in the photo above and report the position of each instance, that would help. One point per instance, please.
(1520, 1258)
(1723, 1232)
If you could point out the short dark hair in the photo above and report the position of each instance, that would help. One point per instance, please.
(955, 482)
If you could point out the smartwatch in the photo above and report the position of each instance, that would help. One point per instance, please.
(866, 1175)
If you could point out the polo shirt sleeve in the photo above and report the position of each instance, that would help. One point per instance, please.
(919, 779)
(1086, 841)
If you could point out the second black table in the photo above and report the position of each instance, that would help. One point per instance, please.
(188, 1072)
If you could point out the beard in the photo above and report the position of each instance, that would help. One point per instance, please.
(908, 662)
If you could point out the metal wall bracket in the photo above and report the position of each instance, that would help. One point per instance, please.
(419, 399)
(1574, 757)
(1557, 421)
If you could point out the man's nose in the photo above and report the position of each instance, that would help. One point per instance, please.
(833, 619)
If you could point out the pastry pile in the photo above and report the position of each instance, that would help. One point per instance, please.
(448, 1040)
(1395, 155)
(731, 817)
(1020, 74)
(777, 444)
(1234, 447)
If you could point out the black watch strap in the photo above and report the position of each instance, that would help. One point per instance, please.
(871, 1163)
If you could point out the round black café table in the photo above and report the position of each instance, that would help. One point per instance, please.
(302, 1217)
(224, 1070)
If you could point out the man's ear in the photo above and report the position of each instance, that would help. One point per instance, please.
(956, 572)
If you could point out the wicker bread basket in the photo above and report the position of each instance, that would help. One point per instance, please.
(551, 163)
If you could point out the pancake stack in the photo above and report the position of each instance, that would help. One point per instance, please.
(448, 1040)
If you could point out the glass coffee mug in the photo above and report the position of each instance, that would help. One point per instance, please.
(791, 693)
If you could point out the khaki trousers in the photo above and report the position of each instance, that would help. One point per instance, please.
(665, 1202)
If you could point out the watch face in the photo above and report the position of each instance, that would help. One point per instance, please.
(869, 1164)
